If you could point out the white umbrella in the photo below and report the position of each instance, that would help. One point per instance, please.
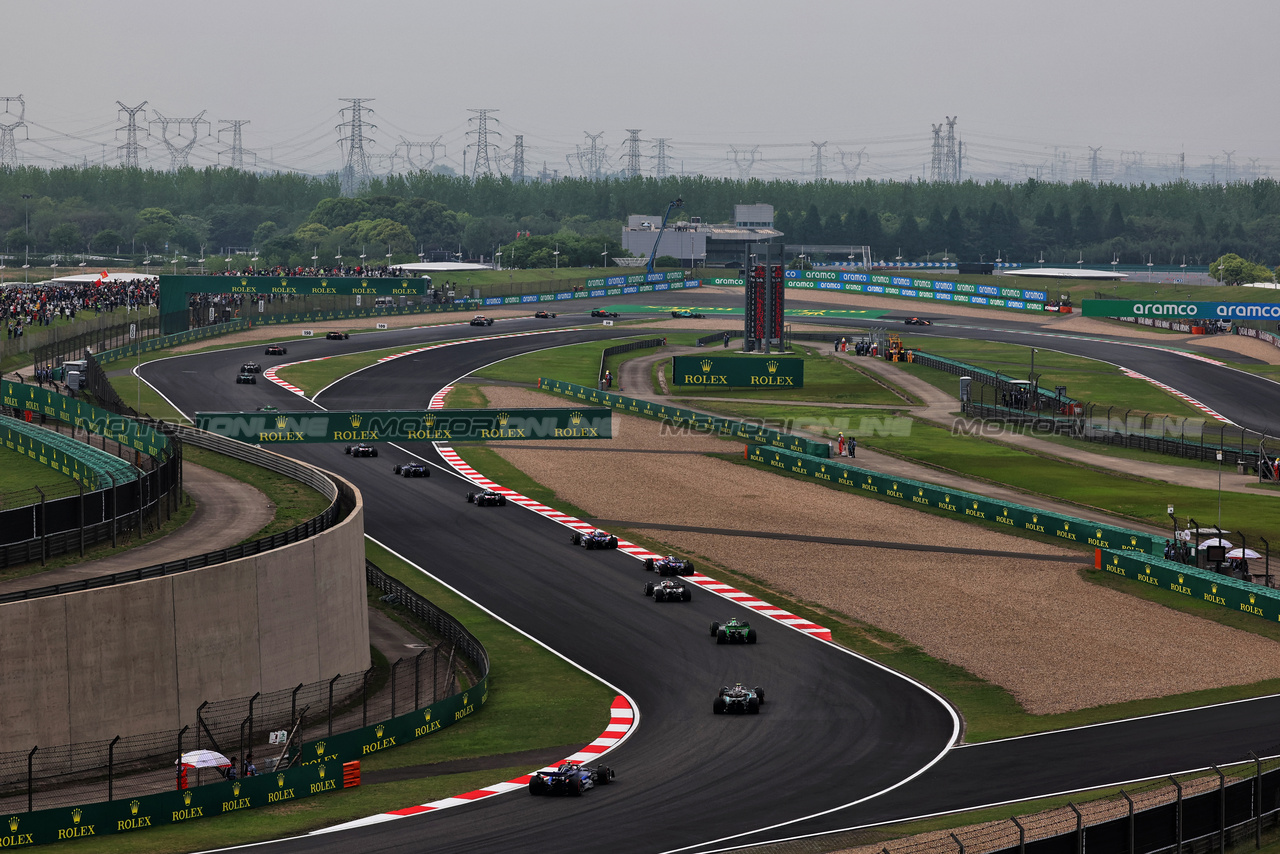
(1215, 541)
(203, 759)
(1247, 554)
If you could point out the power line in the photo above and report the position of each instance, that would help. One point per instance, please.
(662, 168)
(482, 143)
(129, 151)
(633, 153)
(8, 142)
(817, 159)
(237, 143)
(178, 152)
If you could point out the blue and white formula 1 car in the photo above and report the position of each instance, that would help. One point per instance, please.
(596, 539)
(569, 778)
(669, 565)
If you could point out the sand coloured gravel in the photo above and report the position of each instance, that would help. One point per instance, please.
(1055, 641)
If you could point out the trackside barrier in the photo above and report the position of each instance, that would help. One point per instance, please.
(964, 505)
(991, 296)
(985, 376)
(627, 348)
(146, 345)
(687, 418)
(1199, 584)
(319, 766)
(37, 400)
(84, 463)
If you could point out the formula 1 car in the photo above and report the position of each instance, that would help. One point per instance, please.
(481, 320)
(599, 312)
(251, 368)
(669, 565)
(917, 321)
(337, 336)
(569, 778)
(246, 377)
(544, 314)
(413, 469)
(596, 539)
(268, 408)
(488, 498)
(277, 350)
(738, 700)
(361, 450)
(684, 312)
(733, 630)
(668, 590)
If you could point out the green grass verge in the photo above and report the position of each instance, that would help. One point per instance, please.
(826, 380)
(575, 363)
(311, 377)
(19, 472)
(1086, 380)
(294, 502)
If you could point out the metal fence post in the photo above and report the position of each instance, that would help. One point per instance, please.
(293, 704)
(364, 697)
(1131, 820)
(31, 758)
(44, 526)
(1079, 828)
(1222, 809)
(959, 844)
(394, 667)
(1022, 835)
(111, 768)
(1178, 816)
(331, 681)
(181, 733)
(1257, 800)
(417, 679)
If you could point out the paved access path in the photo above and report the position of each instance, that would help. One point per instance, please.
(227, 512)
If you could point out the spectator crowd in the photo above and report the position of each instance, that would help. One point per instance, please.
(40, 304)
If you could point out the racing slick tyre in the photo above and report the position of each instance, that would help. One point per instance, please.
(753, 706)
(375, 452)
(604, 775)
(721, 694)
(537, 785)
(722, 636)
(648, 564)
(575, 538)
(502, 501)
(471, 498)
(575, 786)
(717, 706)
(612, 544)
(659, 595)
(715, 627)
(760, 694)
(688, 568)
(686, 596)
(751, 635)
(648, 589)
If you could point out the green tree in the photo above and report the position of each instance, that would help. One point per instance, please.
(65, 237)
(107, 240)
(1115, 223)
(264, 232)
(1231, 269)
(15, 239)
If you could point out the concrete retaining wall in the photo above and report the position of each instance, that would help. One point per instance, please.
(140, 657)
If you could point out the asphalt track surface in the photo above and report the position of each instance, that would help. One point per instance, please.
(835, 731)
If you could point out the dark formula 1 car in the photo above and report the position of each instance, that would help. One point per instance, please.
(917, 321)
(337, 336)
(361, 450)
(569, 778)
(733, 630)
(488, 498)
(596, 539)
(544, 314)
(599, 312)
(669, 565)
(684, 312)
(413, 469)
(277, 350)
(668, 590)
(738, 700)
(251, 368)
(246, 377)
(481, 320)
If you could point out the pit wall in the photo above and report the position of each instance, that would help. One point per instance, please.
(610, 286)
(905, 287)
(140, 657)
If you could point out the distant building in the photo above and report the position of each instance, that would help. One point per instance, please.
(704, 244)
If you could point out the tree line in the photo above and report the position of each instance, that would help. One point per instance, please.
(287, 217)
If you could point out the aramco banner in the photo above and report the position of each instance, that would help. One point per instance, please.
(1180, 310)
(438, 425)
(759, 371)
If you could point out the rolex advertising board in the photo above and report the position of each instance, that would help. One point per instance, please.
(756, 371)
(1198, 584)
(126, 431)
(436, 425)
(962, 504)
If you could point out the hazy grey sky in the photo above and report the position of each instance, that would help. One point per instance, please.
(1023, 77)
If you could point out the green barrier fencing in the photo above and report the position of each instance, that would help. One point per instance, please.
(904, 287)
(983, 375)
(1199, 584)
(41, 401)
(688, 419)
(451, 425)
(964, 505)
(84, 463)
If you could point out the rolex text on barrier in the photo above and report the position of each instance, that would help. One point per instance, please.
(1180, 310)
(441, 425)
(964, 505)
(125, 431)
(737, 371)
(687, 419)
(1198, 584)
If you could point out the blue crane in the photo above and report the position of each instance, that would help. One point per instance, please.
(678, 203)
